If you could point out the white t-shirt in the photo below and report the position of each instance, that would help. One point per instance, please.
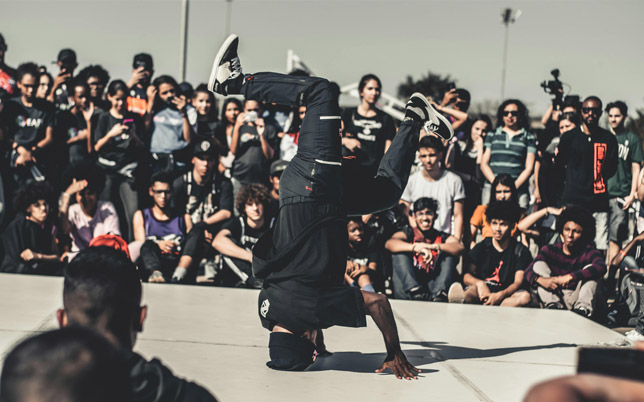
(84, 229)
(446, 190)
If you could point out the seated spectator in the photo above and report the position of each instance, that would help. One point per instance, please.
(253, 146)
(28, 122)
(29, 242)
(117, 141)
(203, 192)
(69, 364)
(511, 149)
(567, 274)
(96, 78)
(424, 259)
(361, 259)
(172, 124)
(169, 245)
(139, 84)
(206, 107)
(494, 274)
(435, 182)
(502, 190)
(277, 168)
(88, 217)
(238, 236)
(102, 291)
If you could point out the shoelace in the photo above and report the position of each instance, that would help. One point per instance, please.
(235, 66)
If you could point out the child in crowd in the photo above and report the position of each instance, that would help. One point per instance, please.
(361, 261)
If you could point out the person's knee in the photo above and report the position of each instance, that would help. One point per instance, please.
(471, 295)
(541, 268)
(522, 298)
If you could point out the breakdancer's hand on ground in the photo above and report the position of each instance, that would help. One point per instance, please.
(379, 309)
(399, 365)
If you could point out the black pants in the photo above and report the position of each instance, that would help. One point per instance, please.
(317, 172)
(152, 259)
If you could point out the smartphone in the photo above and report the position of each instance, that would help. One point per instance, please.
(614, 362)
(250, 117)
(451, 86)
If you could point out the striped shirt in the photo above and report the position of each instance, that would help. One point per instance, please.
(508, 153)
(586, 265)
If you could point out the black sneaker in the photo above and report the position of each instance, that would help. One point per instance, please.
(419, 109)
(582, 311)
(555, 306)
(226, 76)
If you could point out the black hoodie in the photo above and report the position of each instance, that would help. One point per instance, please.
(154, 382)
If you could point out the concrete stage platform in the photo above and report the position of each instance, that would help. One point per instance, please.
(213, 336)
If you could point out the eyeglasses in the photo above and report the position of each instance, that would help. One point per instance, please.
(422, 214)
(164, 192)
(510, 113)
(587, 110)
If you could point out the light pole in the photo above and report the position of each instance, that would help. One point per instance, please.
(229, 11)
(508, 16)
(183, 46)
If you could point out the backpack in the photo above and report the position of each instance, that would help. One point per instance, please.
(629, 305)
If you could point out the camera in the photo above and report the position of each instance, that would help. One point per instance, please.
(554, 87)
(251, 117)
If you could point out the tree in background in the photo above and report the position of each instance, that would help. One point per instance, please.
(432, 85)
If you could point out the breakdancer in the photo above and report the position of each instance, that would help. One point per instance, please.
(303, 259)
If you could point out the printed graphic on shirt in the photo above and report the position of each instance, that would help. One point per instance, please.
(599, 186)
(495, 278)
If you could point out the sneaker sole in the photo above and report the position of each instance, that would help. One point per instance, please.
(435, 116)
(215, 65)
(456, 295)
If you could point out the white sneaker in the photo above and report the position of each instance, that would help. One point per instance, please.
(634, 336)
(226, 75)
(456, 294)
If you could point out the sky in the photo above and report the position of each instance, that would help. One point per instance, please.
(597, 45)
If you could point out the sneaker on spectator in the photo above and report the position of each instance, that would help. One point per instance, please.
(441, 297)
(634, 336)
(418, 293)
(456, 294)
(419, 109)
(226, 76)
(555, 306)
(582, 311)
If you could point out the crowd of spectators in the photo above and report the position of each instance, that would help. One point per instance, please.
(505, 213)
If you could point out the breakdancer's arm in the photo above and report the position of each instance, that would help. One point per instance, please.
(379, 309)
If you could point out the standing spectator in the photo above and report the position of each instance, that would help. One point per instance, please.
(362, 261)
(29, 242)
(172, 123)
(277, 168)
(170, 247)
(589, 156)
(28, 122)
(238, 236)
(458, 99)
(117, 142)
(139, 83)
(96, 78)
(288, 144)
(435, 182)
(495, 270)
(567, 274)
(74, 126)
(88, 217)
(60, 92)
(252, 145)
(502, 190)
(510, 149)
(224, 132)
(45, 83)
(206, 106)
(7, 74)
(423, 259)
(368, 131)
(622, 187)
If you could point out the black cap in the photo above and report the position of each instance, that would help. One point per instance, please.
(289, 352)
(278, 167)
(67, 56)
(143, 60)
(3, 44)
(206, 147)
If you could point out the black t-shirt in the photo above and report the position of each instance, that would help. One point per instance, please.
(242, 234)
(363, 254)
(372, 132)
(68, 125)
(498, 268)
(28, 124)
(302, 262)
(121, 150)
(62, 100)
(201, 202)
(206, 129)
(250, 165)
(137, 101)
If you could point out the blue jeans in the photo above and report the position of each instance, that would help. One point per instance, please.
(406, 277)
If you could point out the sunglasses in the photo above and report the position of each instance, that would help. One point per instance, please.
(510, 113)
(587, 110)
(164, 192)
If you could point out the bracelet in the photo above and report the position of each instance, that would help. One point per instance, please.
(66, 195)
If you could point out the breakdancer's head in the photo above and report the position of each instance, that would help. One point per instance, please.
(290, 351)
(102, 291)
